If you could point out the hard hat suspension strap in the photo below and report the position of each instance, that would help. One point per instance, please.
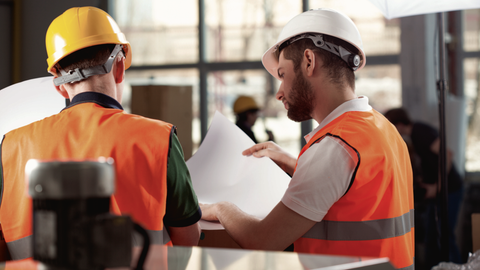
(352, 59)
(78, 74)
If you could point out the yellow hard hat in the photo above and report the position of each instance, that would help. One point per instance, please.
(82, 27)
(244, 103)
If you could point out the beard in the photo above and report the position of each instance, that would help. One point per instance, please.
(302, 99)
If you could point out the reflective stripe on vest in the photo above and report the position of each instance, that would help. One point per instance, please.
(410, 267)
(20, 249)
(374, 218)
(362, 230)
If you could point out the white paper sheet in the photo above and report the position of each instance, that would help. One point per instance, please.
(29, 101)
(220, 172)
(218, 169)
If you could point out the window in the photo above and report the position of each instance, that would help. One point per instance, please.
(242, 30)
(165, 41)
(160, 32)
(471, 76)
(471, 36)
(472, 90)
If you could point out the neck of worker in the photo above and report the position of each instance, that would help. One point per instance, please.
(104, 84)
(328, 96)
(110, 84)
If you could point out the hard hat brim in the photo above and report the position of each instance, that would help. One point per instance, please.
(67, 50)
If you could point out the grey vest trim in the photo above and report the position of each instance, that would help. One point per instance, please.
(410, 267)
(156, 237)
(21, 248)
(362, 230)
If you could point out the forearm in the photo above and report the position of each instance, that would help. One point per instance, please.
(185, 236)
(242, 227)
(280, 228)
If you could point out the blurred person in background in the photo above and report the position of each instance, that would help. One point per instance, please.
(425, 144)
(246, 111)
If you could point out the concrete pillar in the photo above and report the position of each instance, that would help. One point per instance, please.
(417, 58)
(419, 62)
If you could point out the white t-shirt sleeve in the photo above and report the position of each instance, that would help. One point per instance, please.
(322, 177)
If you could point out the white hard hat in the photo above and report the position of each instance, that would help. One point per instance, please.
(319, 21)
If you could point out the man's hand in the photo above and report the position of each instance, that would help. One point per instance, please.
(209, 212)
(270, 149)
(280, 228)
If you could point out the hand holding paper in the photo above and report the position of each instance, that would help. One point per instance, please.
(220, 172)
(270, 149)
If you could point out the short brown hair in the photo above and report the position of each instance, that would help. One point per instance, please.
(338, 71)
(87, 57)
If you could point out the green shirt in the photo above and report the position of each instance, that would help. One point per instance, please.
(182, 204)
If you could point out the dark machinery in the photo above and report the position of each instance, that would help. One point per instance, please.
(72, 226)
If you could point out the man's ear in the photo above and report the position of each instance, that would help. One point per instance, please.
(309, 60)
(119, 70)
(61, 90)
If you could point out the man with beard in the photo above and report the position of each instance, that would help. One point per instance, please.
(351, 188)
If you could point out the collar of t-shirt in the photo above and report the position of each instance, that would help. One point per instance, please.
(359, 104)
(98, 98)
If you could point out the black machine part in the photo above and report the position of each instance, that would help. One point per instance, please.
(70, 179)
(72, 226)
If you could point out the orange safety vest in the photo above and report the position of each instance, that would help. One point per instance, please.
(374, 218)
(138, 145)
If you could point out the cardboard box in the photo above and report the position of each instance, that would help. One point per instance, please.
(476, 231)
(171, 104)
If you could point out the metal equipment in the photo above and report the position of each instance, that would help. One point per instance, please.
(72, 226)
